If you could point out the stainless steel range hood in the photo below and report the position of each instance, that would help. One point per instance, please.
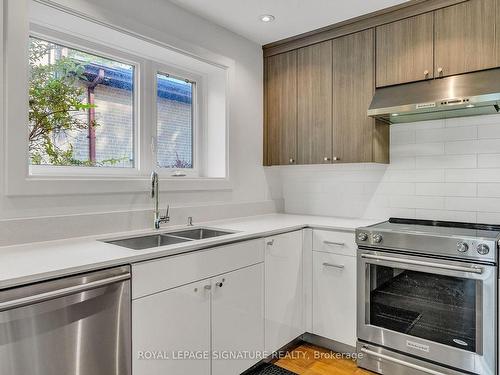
(462, 95)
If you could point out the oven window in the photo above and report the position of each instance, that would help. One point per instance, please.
(433, 307)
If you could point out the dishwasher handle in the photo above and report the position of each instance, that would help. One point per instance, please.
(62, 292)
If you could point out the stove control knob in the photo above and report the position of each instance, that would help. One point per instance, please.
(362, 236)
(463, 247)
(483, 249)
(377, 238)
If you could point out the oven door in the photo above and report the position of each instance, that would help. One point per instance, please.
(442, 311)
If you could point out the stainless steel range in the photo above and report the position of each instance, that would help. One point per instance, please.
(427, 297)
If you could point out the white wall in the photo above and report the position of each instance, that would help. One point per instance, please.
(167, 23)
(443, 170)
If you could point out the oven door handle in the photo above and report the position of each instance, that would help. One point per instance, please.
(401, 362)
(473, 269)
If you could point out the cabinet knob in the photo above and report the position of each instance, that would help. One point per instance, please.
(208, 287)
(335, 158)
(326, 158)
(220, 284)
(292, 160)
(270, 243)
(426, 73)
(440, 71)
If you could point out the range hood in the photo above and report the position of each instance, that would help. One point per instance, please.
(462, 95)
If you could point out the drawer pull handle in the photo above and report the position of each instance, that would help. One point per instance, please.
(339, 266)
(400, 362)
(334, 243)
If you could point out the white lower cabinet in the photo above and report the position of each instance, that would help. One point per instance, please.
(172, 321)
(334, 297)
(250, 298)
(237, 319)
(283, 289)
(209, 319)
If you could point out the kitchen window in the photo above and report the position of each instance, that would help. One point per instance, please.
(100, 108)
(175, 123)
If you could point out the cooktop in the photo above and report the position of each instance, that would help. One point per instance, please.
(445, 238)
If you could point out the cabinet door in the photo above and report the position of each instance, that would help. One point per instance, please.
(281, 108)
(172, 321)
(465, 37)
(353, 87)
(237, 318)
(283, 290)
(314, 143)
(334, 297)
(405, 50)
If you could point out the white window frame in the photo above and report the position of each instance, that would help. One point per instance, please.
(197, 120)
(71, 22)
(99, 50)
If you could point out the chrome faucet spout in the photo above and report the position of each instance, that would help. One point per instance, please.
(158, 218)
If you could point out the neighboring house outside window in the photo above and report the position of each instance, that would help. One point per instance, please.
(174, 122)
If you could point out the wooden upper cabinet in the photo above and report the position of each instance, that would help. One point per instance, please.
(405, 50)
(356, 137)
(281, 109)
(465, 37)
(314, 115)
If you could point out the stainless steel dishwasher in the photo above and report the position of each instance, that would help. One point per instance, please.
(77, 325)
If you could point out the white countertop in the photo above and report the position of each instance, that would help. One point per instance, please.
(27, 263)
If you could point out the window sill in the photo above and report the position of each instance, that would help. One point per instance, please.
(47, 186)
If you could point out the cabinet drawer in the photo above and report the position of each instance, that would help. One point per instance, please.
(161, 274)
(342, 243)
(334, 297)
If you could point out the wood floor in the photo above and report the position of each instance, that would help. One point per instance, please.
(311, 360)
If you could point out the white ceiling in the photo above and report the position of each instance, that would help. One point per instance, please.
(292, 16)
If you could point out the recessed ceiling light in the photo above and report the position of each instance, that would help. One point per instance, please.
(267, 18)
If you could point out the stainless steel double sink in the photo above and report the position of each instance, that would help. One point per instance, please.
(169, 238)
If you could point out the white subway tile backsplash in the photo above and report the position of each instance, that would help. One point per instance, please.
(480, 146)
(414, 175)
(488, 161)
(402, 137)
(472, 121)
(489, 131)
(446, 161)
(488, 204)
(432, 124)
(460, 204)
(488, 218)
(488, 190)
(432, 148)
(413, 201)
(446, 189)
(407, 162)
(446, 134)
(395, 188)
(464, 216)
(472, 175)
(442, 170)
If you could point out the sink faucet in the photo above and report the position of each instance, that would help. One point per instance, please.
(158, 219)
